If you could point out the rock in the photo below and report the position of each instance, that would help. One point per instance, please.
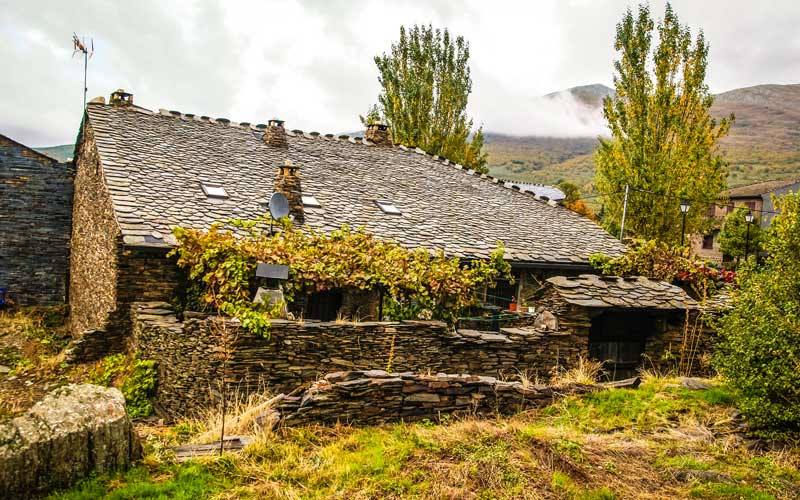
(4, 369)
(686, 475)
(695, 384)
(73, 431)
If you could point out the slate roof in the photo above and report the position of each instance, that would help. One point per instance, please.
(589, 290)
(154, 163)
(760, 188)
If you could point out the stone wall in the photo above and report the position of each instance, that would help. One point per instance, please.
(35, 221)
(72, 432)
(95, 237)
(105, 275)
(375, 397)
(189, 361)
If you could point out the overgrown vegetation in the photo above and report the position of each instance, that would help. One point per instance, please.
(135, 378)
(759, 348)
(659, 441)
(222, 267)
(660, 261)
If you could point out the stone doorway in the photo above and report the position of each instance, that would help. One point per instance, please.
(617, 338)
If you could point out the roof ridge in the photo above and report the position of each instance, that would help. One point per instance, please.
(162, 112)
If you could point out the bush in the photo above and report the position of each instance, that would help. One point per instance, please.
(135, 378)
(662, 262)
(759, 349)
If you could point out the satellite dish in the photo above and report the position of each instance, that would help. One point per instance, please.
(278, 206)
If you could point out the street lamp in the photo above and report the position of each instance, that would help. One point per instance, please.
(684, 210)
(749, 219)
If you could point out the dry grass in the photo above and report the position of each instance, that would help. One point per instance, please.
(585, 371)
(250, 416)
(654, 442)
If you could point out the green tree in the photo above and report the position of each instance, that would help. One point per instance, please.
(733, 237)
(571, 191)
(426, 84)
(759, 348)
(373, 116)
(663, 144)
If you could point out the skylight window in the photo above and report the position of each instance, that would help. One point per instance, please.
(310, 201)
(388, 207)
(214, 191)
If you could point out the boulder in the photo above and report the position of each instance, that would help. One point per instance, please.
(73, 431)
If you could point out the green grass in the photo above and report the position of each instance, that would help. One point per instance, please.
(608, 445)
(189, 481)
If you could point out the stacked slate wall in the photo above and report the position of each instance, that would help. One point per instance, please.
(376, 397)
(189, 353)
(35, 221)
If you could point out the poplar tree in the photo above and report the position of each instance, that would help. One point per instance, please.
(426, 85)
(663, 143)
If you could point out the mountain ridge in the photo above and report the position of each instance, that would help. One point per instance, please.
(763, 143)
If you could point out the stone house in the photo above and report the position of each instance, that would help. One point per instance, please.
(140, 173)
(755, 197)
(628, 323)
(35, 222)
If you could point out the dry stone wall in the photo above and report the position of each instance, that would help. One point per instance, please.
(189, 361)
(375, 397)
(35, 223)
(75, 430)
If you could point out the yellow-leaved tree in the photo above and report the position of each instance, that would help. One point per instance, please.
(664, 143)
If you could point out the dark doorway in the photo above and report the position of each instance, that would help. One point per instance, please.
(324, 306)
(618, 338)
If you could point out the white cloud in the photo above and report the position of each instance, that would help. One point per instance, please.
(311, 62)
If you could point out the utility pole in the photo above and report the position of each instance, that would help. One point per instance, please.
(624, 212)
(79, 45)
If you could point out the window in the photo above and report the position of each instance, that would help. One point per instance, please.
(388, 207)
(708, 242)
(310, 201)
(751, 205)
(712, 210)
(214, 191)
(730, 207)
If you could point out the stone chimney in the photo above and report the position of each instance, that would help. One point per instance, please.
(121, 98)
(379, 134)
(275, 134)
(288, 183)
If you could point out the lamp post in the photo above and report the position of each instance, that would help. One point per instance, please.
(749, 219)
(684, 210)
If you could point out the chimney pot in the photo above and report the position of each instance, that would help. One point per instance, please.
(121, 98)
(275, 134)
(288, 182)
(379, 134)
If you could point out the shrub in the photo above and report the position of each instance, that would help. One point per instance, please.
(662, 262)
(135, 378)
(759, 350)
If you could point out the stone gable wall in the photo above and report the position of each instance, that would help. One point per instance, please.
(35, 221)
(95, 237)
(295, 354)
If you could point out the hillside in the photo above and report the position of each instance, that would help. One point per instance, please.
(763, 144)
(60, 153)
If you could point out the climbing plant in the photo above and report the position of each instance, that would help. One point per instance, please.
(221, 266)
(660, 261)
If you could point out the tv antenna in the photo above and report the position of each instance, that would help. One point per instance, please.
(79, 45)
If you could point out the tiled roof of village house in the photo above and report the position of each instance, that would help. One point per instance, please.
(589, 290)
(761, 188)
(154, 164)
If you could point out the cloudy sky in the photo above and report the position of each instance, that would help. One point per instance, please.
(310, 62)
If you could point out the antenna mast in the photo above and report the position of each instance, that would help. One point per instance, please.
(79, 45)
